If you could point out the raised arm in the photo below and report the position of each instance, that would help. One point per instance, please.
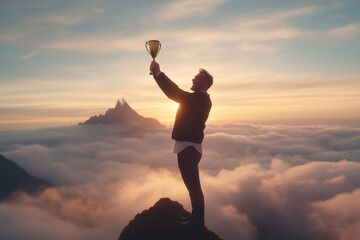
(170, 89)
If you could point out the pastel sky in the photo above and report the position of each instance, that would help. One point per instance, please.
(273, 61)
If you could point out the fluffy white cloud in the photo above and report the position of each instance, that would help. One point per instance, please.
(278, 200)
(340, 215)
(260, 182)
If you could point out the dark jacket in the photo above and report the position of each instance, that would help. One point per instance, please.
(192, 113)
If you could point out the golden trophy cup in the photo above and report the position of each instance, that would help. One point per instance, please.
(153, 49)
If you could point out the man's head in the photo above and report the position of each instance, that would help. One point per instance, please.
(202, 81)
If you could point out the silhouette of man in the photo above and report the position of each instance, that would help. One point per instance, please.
(188, 133)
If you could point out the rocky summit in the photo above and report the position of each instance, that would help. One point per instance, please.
(123, 114)
(162, 222)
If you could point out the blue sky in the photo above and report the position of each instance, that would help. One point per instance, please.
(273, 61)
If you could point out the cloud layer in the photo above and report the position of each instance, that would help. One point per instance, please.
(260, 182)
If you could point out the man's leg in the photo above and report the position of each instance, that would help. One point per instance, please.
(188, 161)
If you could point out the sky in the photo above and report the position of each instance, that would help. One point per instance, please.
(281, 154)
(261, 182)
(287, 62)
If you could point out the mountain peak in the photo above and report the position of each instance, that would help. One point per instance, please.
(123, 114)
(123, 102)
(120, 103)
(162, 221)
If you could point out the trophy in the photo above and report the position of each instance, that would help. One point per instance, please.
(153, 49)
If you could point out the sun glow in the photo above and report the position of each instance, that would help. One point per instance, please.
(174, 106)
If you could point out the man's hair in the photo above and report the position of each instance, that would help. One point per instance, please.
(208, 77)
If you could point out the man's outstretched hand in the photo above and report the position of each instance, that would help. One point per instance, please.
(155, 67)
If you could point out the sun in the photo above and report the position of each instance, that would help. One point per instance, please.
(174, 106)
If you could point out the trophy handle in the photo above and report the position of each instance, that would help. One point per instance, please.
(159, 47)
(146, 46)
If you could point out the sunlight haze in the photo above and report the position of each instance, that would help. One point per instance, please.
(87, 136)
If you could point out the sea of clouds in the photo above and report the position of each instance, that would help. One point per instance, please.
(259, 181)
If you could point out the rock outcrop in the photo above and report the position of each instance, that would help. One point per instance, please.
(162, 222)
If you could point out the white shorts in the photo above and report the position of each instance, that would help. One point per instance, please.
(180, 145)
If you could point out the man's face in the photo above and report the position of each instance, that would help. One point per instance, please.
(198, 81)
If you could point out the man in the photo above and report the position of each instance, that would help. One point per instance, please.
(188, 133)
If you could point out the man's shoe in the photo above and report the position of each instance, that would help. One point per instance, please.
(185, 219)
(193, 226)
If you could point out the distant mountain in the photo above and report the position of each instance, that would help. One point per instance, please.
(162, 222)
(13, 178)
(124, 114)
